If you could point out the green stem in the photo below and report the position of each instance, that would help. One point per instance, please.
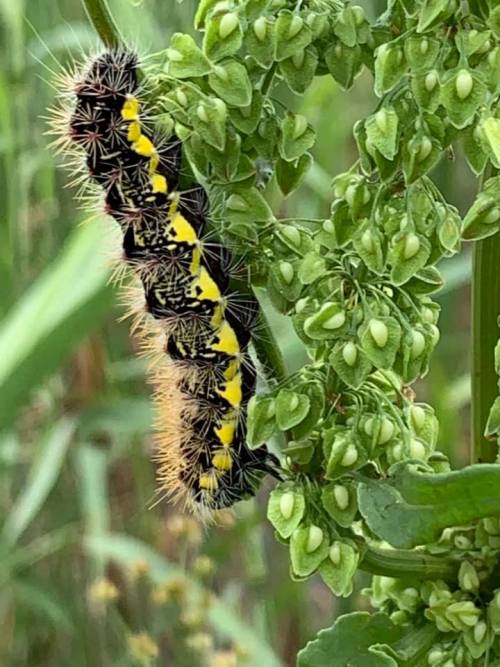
(268, 351)
(485, 312)
(102, 20)
(399, 563)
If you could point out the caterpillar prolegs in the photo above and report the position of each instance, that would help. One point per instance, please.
(202, 373)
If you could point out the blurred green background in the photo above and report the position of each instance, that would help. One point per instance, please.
(90, 572)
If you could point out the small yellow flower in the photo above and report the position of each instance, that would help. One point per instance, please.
(138, 569)
(184, 527)
(142, 647)
(103, 591)
(200, 642)
(203, 565)
(228, 658)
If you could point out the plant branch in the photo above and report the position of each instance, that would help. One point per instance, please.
(485, 312)
(400, 563)
(102, 20)
(268, 351)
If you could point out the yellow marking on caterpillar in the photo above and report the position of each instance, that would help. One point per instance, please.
(174, 203)
(222, 460)
(232, 391)
(225, 432)
(217, 317)
(134, 131)
(159, 183)
(194, 267)
(130, 109)
(232, 369)
(228, 341)
(208, 481)
(183, 230)
(153, 164)
(144, 146)
(208, 288)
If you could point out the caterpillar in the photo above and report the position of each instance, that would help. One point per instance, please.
(201, 370)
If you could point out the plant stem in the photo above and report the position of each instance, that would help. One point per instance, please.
(102, 20)
(400, 563)
(268, 351)
(485, 312)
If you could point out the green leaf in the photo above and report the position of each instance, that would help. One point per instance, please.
(185, 58)
(42, 477)
(407, 254)
(462, 93)
(338, 570)
(390, 67)
(299, 70)
(343, 452)
(350, 363)
(328, 322)
(473, 150)
(291, 408)
(490, 130)
(296, 136)
(316, 393)
(344, 63)
(247, 118)
(368, 241)
(292, 35)
(285, 509)
(381, 353)
(493, 424)
(382, 132)
(312, 267)
(260, 41)
(421, 52)
(414, 506)
(306, 559)
(349, 640)
(291, 174)
(208, 119)
(261, 420)
(218, 43)
(432, 12)
(52, 317)
(247, 205)
(229, 79)
(340, 501)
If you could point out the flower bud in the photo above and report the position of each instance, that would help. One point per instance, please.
(237, 203)
(295, 26)
(201, 112)
(350, 457)
(300, 126)
(260, 28)
(335, 321)
(174, 55)
(417, 449)
(367, 241)
(463, 84)
(314, 539)
(350, 353)
(411, 246)
(467, 577)
(287, 502)
(292, 234)
(425, 149)
(379, 332)
(341, 495)
(418, 344)
(287, 272)
(431, 80)
(228, 24)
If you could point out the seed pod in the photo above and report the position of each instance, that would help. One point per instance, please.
(379, 332)
(314, 539)
(464, 84)
(228, 24)
(287, 502)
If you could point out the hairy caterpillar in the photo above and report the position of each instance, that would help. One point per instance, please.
(201, 371)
